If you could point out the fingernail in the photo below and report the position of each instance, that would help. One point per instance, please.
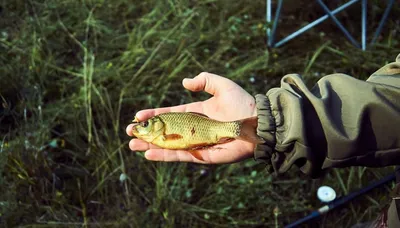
(186, 80)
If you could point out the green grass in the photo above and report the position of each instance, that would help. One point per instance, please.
(74, 73)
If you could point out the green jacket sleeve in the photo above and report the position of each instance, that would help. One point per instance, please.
(340, 122)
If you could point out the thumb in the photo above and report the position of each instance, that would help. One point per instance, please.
(211, 83)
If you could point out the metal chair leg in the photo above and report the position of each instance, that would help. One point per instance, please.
(312, 24)
(383, 20)
(344, 30)
(277, 14)
(330, 14)
(268, 19)
(364, 24)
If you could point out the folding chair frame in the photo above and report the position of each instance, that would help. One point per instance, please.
(329, 14)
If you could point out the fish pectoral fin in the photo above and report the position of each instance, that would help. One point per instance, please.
(224, 140)
(171, 137)
(198, 154)
(199, 146)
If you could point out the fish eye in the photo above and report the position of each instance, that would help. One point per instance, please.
(145, 123)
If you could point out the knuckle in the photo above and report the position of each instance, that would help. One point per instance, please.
(204, 74)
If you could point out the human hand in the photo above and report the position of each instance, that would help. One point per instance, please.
(229, 102)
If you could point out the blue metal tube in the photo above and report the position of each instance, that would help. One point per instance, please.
(277, 14)
(344, 30)
(268, 18)
(383, 20)
(314, 23)
(364, 25)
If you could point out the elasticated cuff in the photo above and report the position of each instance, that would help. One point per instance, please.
(266, 129)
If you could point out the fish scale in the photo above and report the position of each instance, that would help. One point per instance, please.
(196, 129)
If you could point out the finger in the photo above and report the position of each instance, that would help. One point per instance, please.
(148, 113)
(234, 151)
(174, 156)
(211, 83)
(129, 130)
(140, 145)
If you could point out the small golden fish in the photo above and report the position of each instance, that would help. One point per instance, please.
(189, 131)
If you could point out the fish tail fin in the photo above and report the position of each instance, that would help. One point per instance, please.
(248, 130)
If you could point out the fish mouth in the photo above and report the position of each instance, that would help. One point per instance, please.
(134, 130)
(135, 123)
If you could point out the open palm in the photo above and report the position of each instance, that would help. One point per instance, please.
(229, 102)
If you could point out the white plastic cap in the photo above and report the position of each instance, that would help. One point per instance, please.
(326, 194)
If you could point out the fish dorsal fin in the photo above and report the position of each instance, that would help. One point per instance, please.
(200, 114)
